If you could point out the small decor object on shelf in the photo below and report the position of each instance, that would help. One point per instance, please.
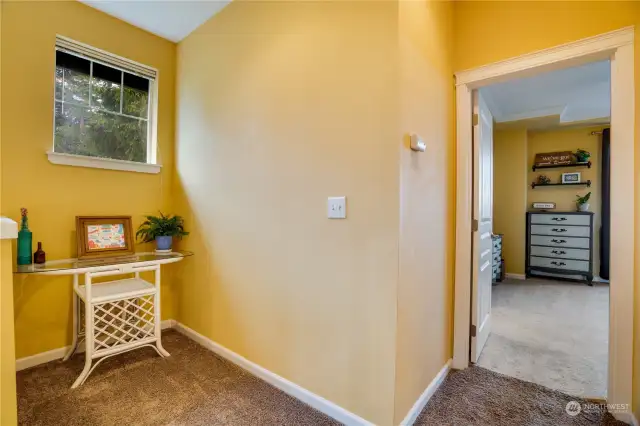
(571, 177)
(39, 257)
(544, 179)
(554, 158)
(583, 202)
(582, 156)
(25, 239)
(104, 236)
(543, 206)
(161, 229)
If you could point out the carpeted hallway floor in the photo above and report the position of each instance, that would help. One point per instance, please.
(191, 387)
(553, 333)
(480, 397)
(195, 387)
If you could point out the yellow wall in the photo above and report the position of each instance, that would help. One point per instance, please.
(510, 165)
(489, 31)
(55, 194)
(564, 197)
(423, 341)
(268, 127)
(8, 409)
(280, 105)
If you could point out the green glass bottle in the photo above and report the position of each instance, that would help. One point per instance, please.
(25, 240)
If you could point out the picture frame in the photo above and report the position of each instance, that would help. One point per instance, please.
(104, 236)
(573, 177)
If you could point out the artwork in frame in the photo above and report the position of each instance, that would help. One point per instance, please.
(571, 177)
(104, 236)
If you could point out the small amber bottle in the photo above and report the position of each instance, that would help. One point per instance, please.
(39, 256)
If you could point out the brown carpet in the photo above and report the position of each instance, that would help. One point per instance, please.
(196, 387)
(192, 387)
(480, 397)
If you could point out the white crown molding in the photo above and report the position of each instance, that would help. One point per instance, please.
(598, 45)
(8, 228)
(102, 163)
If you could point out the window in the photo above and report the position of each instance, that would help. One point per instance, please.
(103, 105)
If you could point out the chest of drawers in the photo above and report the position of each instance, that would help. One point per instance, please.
(560, 245)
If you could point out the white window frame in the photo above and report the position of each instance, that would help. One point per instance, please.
(114, 61)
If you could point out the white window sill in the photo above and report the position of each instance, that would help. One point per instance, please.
(102, 163)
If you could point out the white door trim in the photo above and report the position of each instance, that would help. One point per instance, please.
(617, 46)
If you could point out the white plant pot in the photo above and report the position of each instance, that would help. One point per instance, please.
(583, 207)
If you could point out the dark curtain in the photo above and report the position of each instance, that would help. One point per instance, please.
(605, 229)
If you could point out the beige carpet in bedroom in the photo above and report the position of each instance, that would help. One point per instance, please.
(552, 333)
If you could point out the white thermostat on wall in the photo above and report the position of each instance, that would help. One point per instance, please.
(417, 144)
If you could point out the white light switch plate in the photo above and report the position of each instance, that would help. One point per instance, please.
(337, 207)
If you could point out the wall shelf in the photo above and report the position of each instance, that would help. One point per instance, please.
(559, 166)
(535, 185)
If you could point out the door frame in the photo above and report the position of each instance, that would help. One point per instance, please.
(618, 47)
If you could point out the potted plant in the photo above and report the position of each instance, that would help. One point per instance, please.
(582, 156)
(582, 202)
(161, 229)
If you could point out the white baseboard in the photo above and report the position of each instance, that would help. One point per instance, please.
(59, 353)
(319, 403)
(598, 279)
(515, 276)
(417, 408)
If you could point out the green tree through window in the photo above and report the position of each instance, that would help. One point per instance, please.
(100, 111)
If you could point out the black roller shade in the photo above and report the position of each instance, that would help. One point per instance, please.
(135, 82)
(72, 62)
(107, 73)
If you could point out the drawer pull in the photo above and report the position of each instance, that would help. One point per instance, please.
(558, 252)
(559, 230)
(559, 219)
(558, 241)
(558, 263)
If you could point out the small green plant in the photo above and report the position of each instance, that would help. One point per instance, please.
(583, 200)
(582, 156)
(161, 226)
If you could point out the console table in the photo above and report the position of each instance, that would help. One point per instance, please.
(114, 316)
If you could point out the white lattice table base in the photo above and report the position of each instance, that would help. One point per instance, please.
(116, 316)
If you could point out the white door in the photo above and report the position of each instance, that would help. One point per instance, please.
(483, 225)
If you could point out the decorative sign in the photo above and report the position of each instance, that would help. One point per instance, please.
(544, 205)
(554, 158)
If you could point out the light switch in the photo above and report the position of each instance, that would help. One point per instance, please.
(337, 208)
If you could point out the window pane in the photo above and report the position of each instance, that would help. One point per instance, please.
(118, 137)
(76, 87)
(97, 133)
(70, 128)
(136, 102)
(105, 94)
(59, 82)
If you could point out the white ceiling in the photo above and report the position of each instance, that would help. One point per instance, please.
(574, 94)
(173, 19)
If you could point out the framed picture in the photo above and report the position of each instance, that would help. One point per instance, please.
(104, 236)
(571, 177)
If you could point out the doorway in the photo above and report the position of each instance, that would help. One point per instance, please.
(618, 48)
